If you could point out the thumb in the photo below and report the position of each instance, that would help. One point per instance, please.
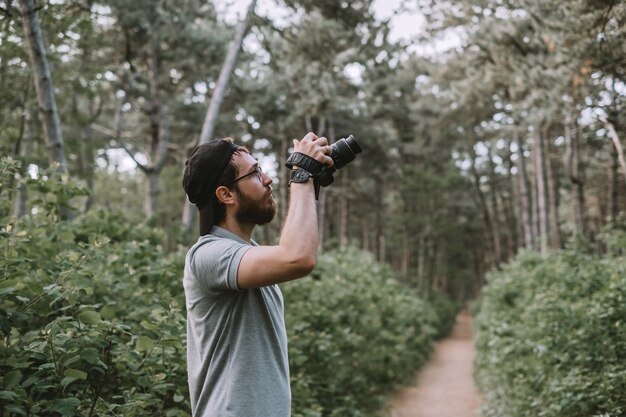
(295, 142)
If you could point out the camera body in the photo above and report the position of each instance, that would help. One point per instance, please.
(343, 152)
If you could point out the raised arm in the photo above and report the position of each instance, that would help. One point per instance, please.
(296, 253)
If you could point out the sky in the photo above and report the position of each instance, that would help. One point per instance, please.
(404, 25)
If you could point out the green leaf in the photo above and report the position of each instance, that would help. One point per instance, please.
(8, 395)
(89, 317)
(108, 312)
(144, 344)
(5, 291)
(71, 360)
(8, 283)
(149, 326)
(12, 377)
(66, 406)
(66, 381)
(90, 355)
(75, 373)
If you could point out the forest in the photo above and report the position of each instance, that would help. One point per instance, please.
(487, 163)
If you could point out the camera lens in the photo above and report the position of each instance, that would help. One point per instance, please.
(344, 151)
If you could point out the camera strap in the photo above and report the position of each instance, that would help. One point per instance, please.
(305, 162)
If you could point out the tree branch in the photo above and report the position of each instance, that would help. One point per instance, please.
(141, 166)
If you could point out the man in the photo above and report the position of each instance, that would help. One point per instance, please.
(236, 340)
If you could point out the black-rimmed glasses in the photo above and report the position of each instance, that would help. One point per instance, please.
(258, 171)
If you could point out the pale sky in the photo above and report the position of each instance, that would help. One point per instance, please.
(405, 25)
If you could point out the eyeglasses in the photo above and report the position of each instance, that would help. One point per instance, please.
(258, 171)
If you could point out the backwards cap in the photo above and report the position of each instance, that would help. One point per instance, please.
(204, 168)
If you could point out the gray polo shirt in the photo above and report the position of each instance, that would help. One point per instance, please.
(236, 340)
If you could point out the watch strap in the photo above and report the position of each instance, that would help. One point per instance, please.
(297, 177)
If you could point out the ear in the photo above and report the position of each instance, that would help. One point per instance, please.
(224, 195)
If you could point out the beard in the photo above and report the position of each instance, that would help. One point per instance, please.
(256, 212)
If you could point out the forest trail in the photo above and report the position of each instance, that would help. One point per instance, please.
(444, 387)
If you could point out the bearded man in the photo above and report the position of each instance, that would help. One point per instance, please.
(236, 340)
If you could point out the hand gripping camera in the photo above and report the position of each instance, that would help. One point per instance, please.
(343, 152)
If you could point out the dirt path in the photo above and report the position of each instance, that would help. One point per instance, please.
(444, 387)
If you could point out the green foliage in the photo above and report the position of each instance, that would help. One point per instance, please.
(90, 313)
(551, 337)
(354, 334)
(92, 319)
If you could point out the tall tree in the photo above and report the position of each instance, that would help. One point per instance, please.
(48, 112)
(218, 96)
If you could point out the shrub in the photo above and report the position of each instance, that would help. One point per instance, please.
(354, 334)
(551, 335)
(90, 313)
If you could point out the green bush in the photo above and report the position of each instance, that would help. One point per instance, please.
(551, 335)
(355, 333)
(90, 313)
(92, 319)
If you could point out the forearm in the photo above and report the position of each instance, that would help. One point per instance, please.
(299, 237)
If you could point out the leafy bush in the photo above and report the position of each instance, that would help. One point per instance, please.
(90, 313)
(354, 334)
(551, 335)
(92, 319)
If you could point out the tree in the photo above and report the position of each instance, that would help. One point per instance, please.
(44, 87)
(218, 96)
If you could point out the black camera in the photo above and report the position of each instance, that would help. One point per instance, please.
(344, 151)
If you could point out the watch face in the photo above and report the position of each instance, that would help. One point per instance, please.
(299, 175)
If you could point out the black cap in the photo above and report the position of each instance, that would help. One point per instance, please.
(204, 168)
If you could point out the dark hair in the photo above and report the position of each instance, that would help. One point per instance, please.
(215, 211)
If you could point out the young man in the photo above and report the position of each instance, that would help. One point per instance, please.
(236, 340)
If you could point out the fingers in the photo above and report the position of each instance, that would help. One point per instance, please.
(310, 137)
(315, 147)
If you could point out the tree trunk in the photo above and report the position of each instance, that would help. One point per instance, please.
(421, 262)
(614, 185)
(540, 184)
(440, 267)
(478, 270)
(493, 196)
(344, 208)
(227, 69)
(553, 196)
(616, 143)
(86, 165)
(216, 99)
(575, 174)
(524, 198)
(508, 202)
(366, 235)
(494, 244)
(160, 132)
(24, 152)
(150, 204)
(44, 87)
(380, 228)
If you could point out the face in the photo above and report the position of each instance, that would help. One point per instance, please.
(256, 203)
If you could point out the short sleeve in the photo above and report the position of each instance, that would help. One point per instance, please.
(215, 263)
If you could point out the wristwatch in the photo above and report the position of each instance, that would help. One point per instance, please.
(299, 175)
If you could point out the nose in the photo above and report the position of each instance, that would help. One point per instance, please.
(267, 180)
